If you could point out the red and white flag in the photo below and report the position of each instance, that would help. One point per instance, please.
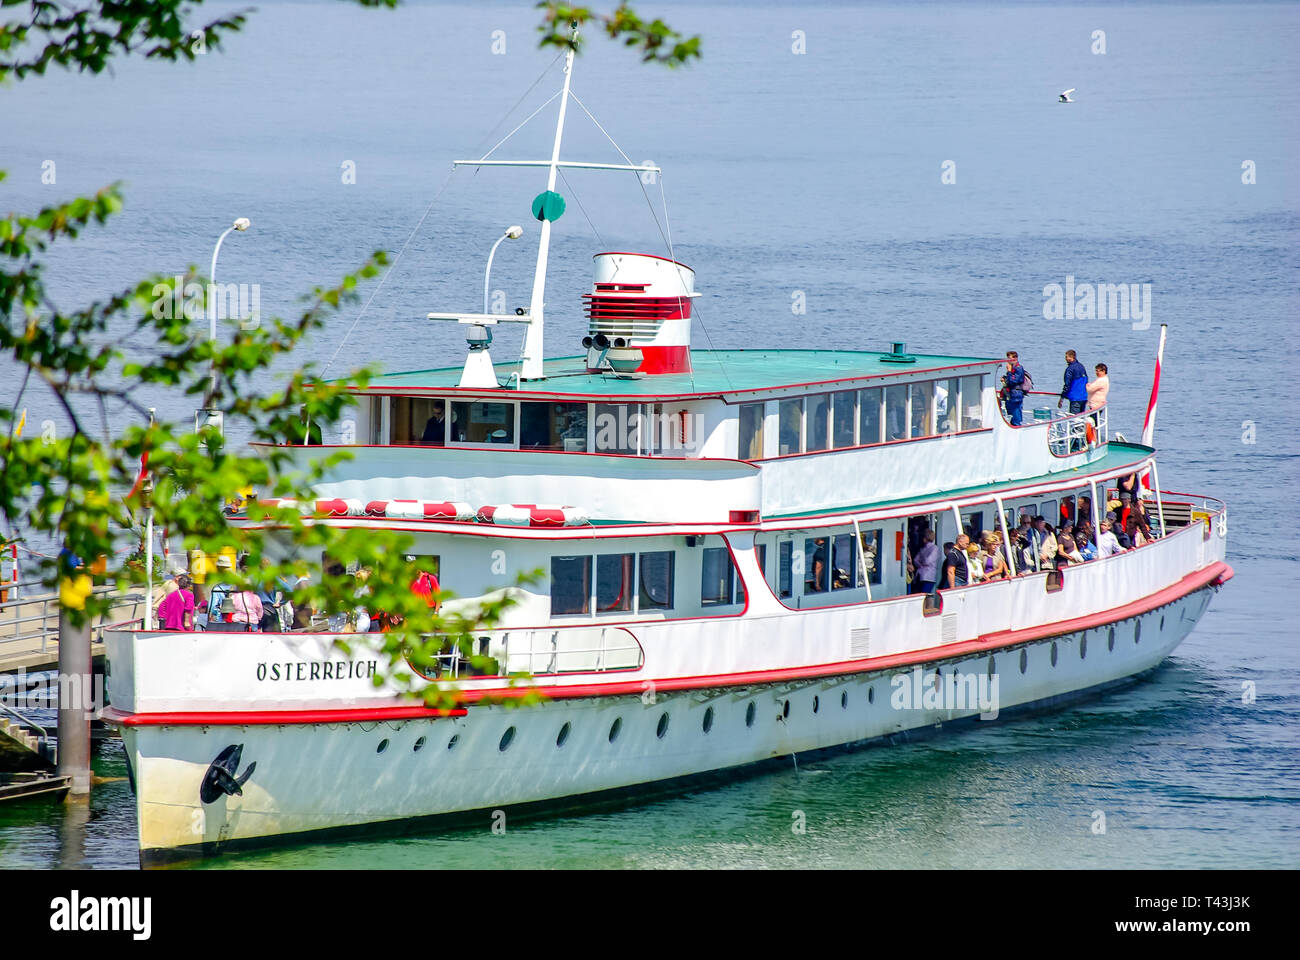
(1149, 425)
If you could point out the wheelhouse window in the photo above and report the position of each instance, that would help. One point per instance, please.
(922, 409)
(620, 428)
(553, 426)
(614, 582)
(570, 585)
(817, 429)
(751, 431)
(481, 421)
(896, 412)
(870, 422)
(656, 577)
(421, 420)
(717, 577)
(843, 415)
(972, 403)
(791, 436)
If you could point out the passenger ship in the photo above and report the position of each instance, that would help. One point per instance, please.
(725, 535)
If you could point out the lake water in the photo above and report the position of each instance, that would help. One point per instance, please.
(814, 176)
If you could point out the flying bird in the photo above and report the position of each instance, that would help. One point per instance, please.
(1065, 97)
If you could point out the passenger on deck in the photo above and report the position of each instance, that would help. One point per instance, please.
(1044, 543)
(1013, 388)
(1099, 389)
(1109, 546)
(958, 567)
(1074, 388)
(1137, 527)
(927, 563)
(1068, 551)
(176, 612)
(995, 564)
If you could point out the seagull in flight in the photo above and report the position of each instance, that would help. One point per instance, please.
(1065, 97)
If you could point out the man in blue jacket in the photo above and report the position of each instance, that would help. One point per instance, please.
(1013, 388)
(1075, 388)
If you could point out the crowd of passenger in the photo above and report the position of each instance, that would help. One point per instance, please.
(1076, 390)
(233, 603)
(1037, 544)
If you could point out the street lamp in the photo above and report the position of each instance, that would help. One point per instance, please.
(242, 224)
(514, 233)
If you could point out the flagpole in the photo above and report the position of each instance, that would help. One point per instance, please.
(1149, 424)
(148, 549)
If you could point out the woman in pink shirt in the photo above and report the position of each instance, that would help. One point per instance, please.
(176, 612)
(1099, 388)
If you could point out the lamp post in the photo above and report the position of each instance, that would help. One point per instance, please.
(242, 224)
(514, 233)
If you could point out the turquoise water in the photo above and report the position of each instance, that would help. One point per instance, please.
(819, 173)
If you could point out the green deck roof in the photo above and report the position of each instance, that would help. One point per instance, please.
(716, 372)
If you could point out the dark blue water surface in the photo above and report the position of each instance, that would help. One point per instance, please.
(821, 173)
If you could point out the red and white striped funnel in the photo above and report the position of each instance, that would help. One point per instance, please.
(639, 314)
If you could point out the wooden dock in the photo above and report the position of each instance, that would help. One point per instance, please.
(22, 786)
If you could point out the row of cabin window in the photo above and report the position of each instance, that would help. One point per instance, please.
(849, 418)
(635, 583)
(538, 425)
(828, 563)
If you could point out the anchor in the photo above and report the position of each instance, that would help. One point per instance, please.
(221, 778)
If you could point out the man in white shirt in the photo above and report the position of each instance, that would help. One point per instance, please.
(1107, 544)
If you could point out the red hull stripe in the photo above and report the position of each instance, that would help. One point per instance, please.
(250, 718)
(1213, 575)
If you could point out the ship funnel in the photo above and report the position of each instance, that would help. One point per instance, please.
(639, 314)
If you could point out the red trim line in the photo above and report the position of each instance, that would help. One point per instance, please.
(248, 718)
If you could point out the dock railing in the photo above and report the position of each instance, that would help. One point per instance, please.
(32, 621)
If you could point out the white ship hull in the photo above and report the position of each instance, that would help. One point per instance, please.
(320, 780)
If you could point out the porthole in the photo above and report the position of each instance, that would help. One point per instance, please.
(844, 700)
(871, 694)
(419, 745)
(708, 720)
(563, 735)
(661, 731)
(1083, 647)
(615, 729)
(455, 738)
(817, 702)
(1137, 631)
(1053, 654)
(1024, 659)
(507, 738)
(1110, 639)
(993, 666)
(383, 745)
(749, 714)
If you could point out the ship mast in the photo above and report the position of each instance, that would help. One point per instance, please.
(531, 368)
(547, 207)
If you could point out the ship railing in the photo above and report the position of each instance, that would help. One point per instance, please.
(542, 652)
(1077, 432)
